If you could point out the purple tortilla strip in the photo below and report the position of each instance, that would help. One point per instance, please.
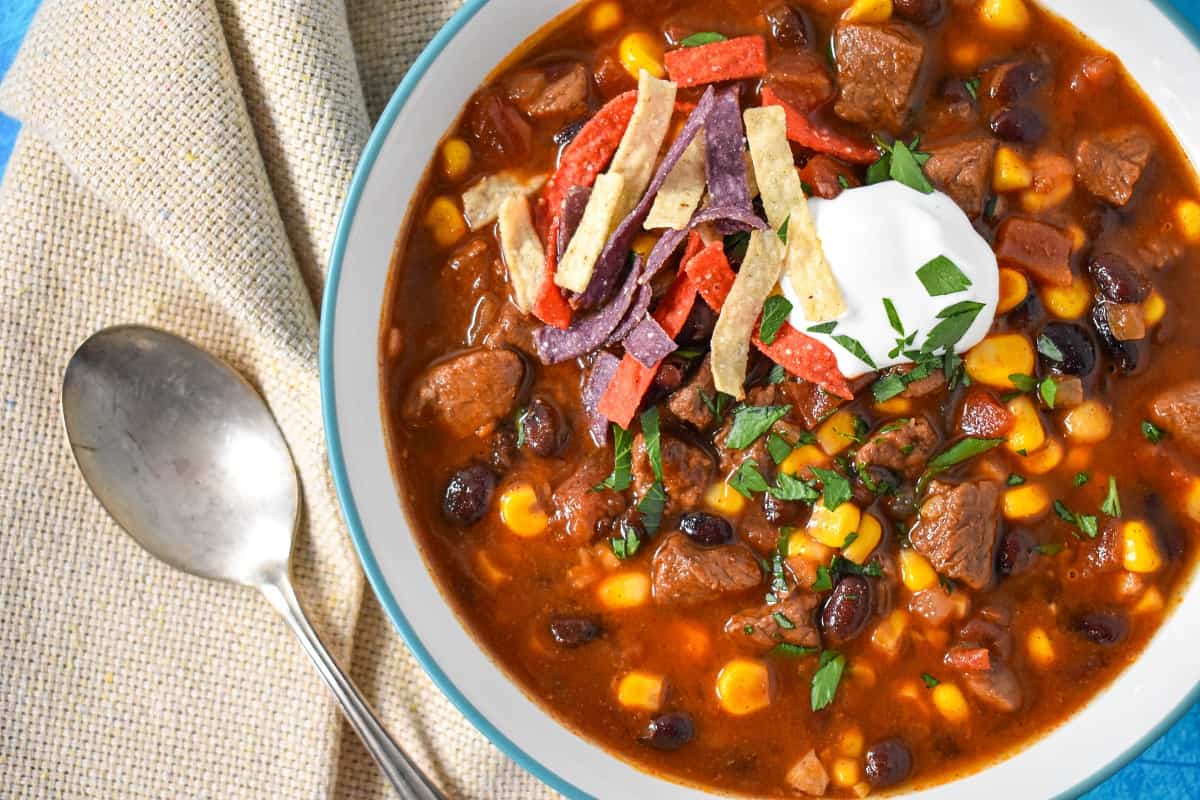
(612, 259)
(555, 345)
(573, 206)
(725, 140)
(603, 370)
(649, 343)
(671, 240)
(641, 305)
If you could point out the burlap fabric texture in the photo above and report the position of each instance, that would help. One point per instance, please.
(182, 164)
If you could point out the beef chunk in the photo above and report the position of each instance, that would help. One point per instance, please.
(877, 70)
(932, 383)
(801, 80)
(468, 393)
(1110, 164)
(682, 572)
(826, 176)
(957, 530)
(902, 447)
(1041, 251)
(961, 170)
(559, 90)
(998, 685)
(761, 627)
(687, 471)
(581, 513)
(1177, 410)
(501, 132)
(690, 402)
(812, 402)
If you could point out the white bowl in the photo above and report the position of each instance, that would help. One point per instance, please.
(1110, 731)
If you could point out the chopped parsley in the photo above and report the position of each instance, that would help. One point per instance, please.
(717, 404)
(747, 480)
(1112, 501)
(1049, 548)
(824, 327)
(842, 182)
(955, 321)
(1024, 383)
(893, 316)
(782, 233)
(960, 451)
(1049, 392)
(702, 38)
(1048, 348)
(751, 422)
(905, 166)
(620, 478)
(1086, 523)
(651, 507)
(929, 680)
(855, 348)
(824, 580)
(793, 489)
(972, 87)
(775, 313)
(736, 245)
(826, 679)
(779, 448)
(519, 422)
(1082, 477)
(777, 375)
(794, 650)
(627, 543)
(782, 621)
(836, 489)
(1015, 480)
(1152, 432)
(941, 276)
(653, 441)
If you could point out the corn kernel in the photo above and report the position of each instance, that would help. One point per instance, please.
(1053, 182)
(949, 701)
(995, 358)
(1068, 302)
(844, 772)
(1088, 423)
(868, 11)
(801, 545)
(831, 528)
(896, 407)
(641, 51)
(624, 590)
(851, 742)
(1043, 461)
(1010, 173)
(861, 789)
(1041, 649)
(910, 690)
(1150, 603)
(456, 158)
(1026, 502)
(604, 17)
(1079, 237)
(862, 673)
(445, 221)
(644, 243)
(692, 639)
(1142, 553)
(1005, 16)
(889, 634)
(1191, 500)
(1154, 308)
(966, 55)
(870, 531)
(1078, 459)
(1187, 214)
(915, 571)
(744, 686)
(520, 511)
(1014, 288)
(937, 638)
(723, 498)
(802, 458)
(837, 433)
(1027, 433)
(642, 690)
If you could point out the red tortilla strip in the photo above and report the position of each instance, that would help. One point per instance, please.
(713, 276)
(823, 140)
(676, 305)
(730, 60)
(551, 307)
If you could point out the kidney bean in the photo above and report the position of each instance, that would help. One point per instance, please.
(1017, 124)
(887, 763)
(790, 26)
(920, 12)
(1117, 279)
(669, 731)
(567, 133)
(468, 494)
(1078, 352)
(504, 448)
(1126, 356)
(575, 631)
(849, 606)
(545, 429)
(706, 529)
(1015, 553)
(1103, 627)
(1007, 83)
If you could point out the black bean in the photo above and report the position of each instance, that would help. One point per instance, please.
(669, 731)
(699, 326)
(920, 12)
(781, 512)
(1010, 82)
(567, 133)
(887, 763)
(954, 91)
(1015, 553)
(900, 506)
(1126, 356)
(790, 26)
(846, 611)
(545, 429)
(1017, 124)
(1075, 345)
(1103, 627)
(575, 631)
(1117, 279)
(504, 448)
(1029, 313)
(670, 376)
(468, 495)
(706, 529)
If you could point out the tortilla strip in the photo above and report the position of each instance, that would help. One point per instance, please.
(751, 180)
(638, 152)
(809, 271)
(482, 201)
(680, 195)
(599, 218)
(522, 251)
(735, 326)
(774, 167)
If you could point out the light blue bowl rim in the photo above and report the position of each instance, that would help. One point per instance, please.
(342, 483)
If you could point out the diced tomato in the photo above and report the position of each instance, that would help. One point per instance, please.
(969, 659)
(826, 176)
(823, 140)
(984, 415)
(729, 60)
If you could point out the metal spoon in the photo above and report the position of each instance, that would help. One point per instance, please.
(185, 456)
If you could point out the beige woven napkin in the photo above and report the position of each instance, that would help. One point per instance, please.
(182, 165)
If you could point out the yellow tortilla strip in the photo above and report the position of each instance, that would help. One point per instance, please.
(680, 194)
(599, 218)
(482, 201)
(774, 167)
(735, 326)
(809, 271)
(522, 251)
(638, 152)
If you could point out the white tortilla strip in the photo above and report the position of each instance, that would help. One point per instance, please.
(809, 271)
(735, 326)
(600, 216)
(482, 201)
(774, 167)
(638, 152)
(680, 194)
(751, 180)
(708, 233)
(522, 251)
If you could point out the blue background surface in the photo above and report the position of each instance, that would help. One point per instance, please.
(1168, 770)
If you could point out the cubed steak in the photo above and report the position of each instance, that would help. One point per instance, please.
(961, 169)
(690, 403)
(467, 393)
(687, 471)
(1111, 163)
(580, 512)
(957, 530)
(904, 447)
(1177, 410)
(877, 71)
(683, 572)
(789, 621)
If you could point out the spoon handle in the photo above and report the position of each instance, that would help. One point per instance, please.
(410, 783)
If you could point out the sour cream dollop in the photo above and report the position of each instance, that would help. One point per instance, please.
(875, 239)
